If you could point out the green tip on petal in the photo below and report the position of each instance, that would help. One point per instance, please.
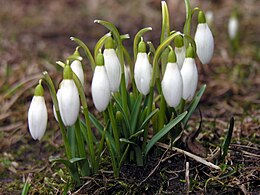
(67, 72)
(172, 57)
(190, 52)
(100, 59)
(201, 17)
(109, 43)
(178, 41)
(39, 91)
(141, 47)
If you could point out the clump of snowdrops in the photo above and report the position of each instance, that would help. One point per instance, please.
(140, 99)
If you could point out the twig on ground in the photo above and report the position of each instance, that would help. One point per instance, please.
(197, 158)
(187, 177)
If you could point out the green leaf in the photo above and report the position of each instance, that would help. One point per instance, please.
(123, 156)
(148, 118)
(135, 114)
(136, 134)
(86, 50)
(165, 22)
(100, 129)
(26, 188)
(163, 132)
(193, 105)
(137, 38)
(227, 141)
(127, 122)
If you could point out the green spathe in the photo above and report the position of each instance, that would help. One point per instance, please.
(190, 52)
(67, 72)
(178, 41)
(141, 47)
(39, 91)
(109, 43)
(201, 18)
(172, 57)
(100, 60)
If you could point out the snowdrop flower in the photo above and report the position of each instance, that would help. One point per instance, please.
(233, 27)
(172, 82)
(112, 65)
(204, 40)
(68, 98)
(100, 85)
(189, 75)
(209, 17)
(127, 75)
(142, 70)
(37, 114)
(76, 67)
(179, 50)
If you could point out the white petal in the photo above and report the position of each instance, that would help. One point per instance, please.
(143, 73)
(204, 43)
(189, 75)
(37, 117)
(172, 85)
(127, 75)
(100, 88)
(232, 27)
(180, 54)
(113, 69)
(76, 67)
(68, 102)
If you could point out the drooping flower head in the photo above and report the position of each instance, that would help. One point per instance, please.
(172, 86)
(204, 40)
(179, 50)
(142, 70)
(37, 114)
(76, 67)
(112, 65)
(100, 85)
(189, 75)
(68, 98)
(233, 26)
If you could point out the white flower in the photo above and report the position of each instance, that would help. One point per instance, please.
(209, 17)
(189, 74)
(113, 69)
(37, 117)
(172, 84)
(233, 27)
(69, 104)
(204, 43)
(180, 54)
(100, 88)
(76, 67)
(142, 73)
(53, 107)
(127, 75)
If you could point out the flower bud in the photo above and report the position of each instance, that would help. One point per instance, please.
(112, 65)
(100, 85)
(76, 67)
(204, 40)
(68, 98)
(179, 50)
(233, 27)
(37, 114)
(142, 70)
(189, 75)
(172, 82)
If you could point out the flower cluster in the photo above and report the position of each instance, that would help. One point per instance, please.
(162, 95)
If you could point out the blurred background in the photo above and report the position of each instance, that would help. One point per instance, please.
(34, 34)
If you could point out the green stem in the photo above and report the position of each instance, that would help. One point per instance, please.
(114, 128)
(88, 135)
(56, 105)
(187, 25)
(84, 166)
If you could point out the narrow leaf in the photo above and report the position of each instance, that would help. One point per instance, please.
(163, 132)
(227, 141)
